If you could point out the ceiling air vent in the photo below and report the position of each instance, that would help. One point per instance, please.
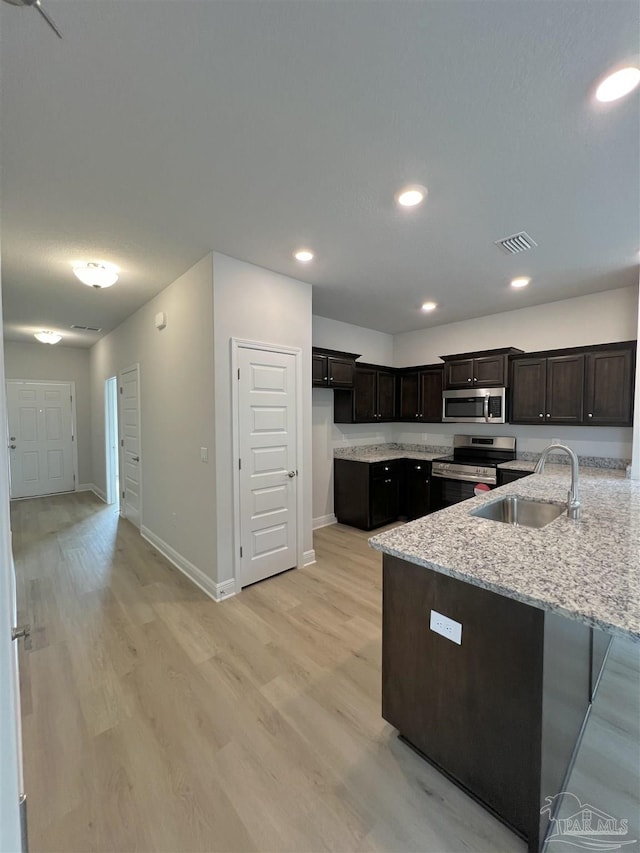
(516, 243)
(86, 328)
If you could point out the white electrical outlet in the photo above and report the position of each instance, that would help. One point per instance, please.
(446, 627)
(204, 454)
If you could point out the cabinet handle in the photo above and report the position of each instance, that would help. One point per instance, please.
(418, 467)
(469, 379)
(386, 469)
(387, 481)
(474, 379)
(417, 415)
(326, 378)
(540, 415)
(590, 415)
(548, 415)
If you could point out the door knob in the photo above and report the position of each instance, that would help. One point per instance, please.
(12, 447)
(291, 474)
(136, 458)
(13, 438)
(22, 631)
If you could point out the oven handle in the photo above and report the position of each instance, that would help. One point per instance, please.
(464, 478)
(486, 408)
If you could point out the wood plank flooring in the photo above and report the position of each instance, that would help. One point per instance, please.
(157, 720)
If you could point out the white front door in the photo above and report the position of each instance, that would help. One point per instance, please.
(131, 505)
(267, 421)
(40, 438)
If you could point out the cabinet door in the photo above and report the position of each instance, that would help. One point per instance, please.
(489, 371)
(386, 395)
(385, 499)
(431, 395)
(528, 395)
(565, 389)
(408, 397)
(418, 489)
(340, 372)
(364, 394)
(458, 374)
(609, 388)
(319, 374)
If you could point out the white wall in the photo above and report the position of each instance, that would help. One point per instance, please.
(374, 347)
(258, 305)
(177, 415)
(44, 363)
(594, 319)
(635, 468)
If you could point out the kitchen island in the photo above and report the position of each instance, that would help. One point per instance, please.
(502, 712)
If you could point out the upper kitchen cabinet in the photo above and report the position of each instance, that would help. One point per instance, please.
(420, 394)
(591, 386)
(332, 368)
(488, 369)
(373, 398)
(548, 390)
(609, 386)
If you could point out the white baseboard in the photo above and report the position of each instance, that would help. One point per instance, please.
(309, 558)
(91, 487)
(216, 591)
(324, 521)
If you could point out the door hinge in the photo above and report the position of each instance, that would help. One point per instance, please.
(123, 494)
(73, 438)
(238, 373)
(121, 389)
(71, 397)
(241, 550)
(74, 478)
(239, 464)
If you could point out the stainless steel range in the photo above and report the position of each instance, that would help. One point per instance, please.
(474, 461)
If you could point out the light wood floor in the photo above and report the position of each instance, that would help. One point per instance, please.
(157, 720)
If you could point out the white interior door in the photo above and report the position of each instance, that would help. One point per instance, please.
(11, 783)
(40, 438)
(267, 420)
(131, 479)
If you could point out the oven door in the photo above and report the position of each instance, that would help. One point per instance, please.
(446, 492)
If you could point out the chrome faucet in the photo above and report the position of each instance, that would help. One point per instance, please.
(573, 501)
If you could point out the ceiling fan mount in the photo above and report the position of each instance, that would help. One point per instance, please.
(37, 5)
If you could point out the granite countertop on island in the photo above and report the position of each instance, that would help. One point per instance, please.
(587, 570)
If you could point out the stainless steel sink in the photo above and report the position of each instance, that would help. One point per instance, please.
(520, 512)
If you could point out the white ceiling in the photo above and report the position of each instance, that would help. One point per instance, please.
(157, 131)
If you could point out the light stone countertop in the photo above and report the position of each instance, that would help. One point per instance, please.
(587, 570)
(388, 452)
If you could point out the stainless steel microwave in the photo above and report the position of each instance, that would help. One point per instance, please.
(475, 406)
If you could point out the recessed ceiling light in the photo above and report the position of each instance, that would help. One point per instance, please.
(48, 337)
(429, 306)
(618, 84)
(411, 196)
(303, 255)
(523, 281)
(96, 274)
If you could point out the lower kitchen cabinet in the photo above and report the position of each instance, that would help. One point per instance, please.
(370, 494)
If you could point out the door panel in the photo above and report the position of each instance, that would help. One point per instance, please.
(268, 455)
(565, 381)
(409, 407)
(431, 396)
(41, 428)
(609, 389)
(528, 391)
(386, 396)
(364, 394)
(131, 506)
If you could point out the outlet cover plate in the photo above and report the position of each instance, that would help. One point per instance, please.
(448, 628)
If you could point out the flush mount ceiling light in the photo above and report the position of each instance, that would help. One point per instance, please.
(618, 84)
(429, 306)
(48, 337)
(96, 274)
(304, 255)
(522, 281)
(411, 196)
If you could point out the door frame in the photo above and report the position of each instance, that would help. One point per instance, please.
(135, 366)
(111, 417)
(74, 427)
(236, 345)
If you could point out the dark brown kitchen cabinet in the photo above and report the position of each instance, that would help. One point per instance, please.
(367, 495)
(373, 398)
(417, 489)
(548, 390)
(609, 387)
(482, 370)
(420, 395)
(332, 369)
